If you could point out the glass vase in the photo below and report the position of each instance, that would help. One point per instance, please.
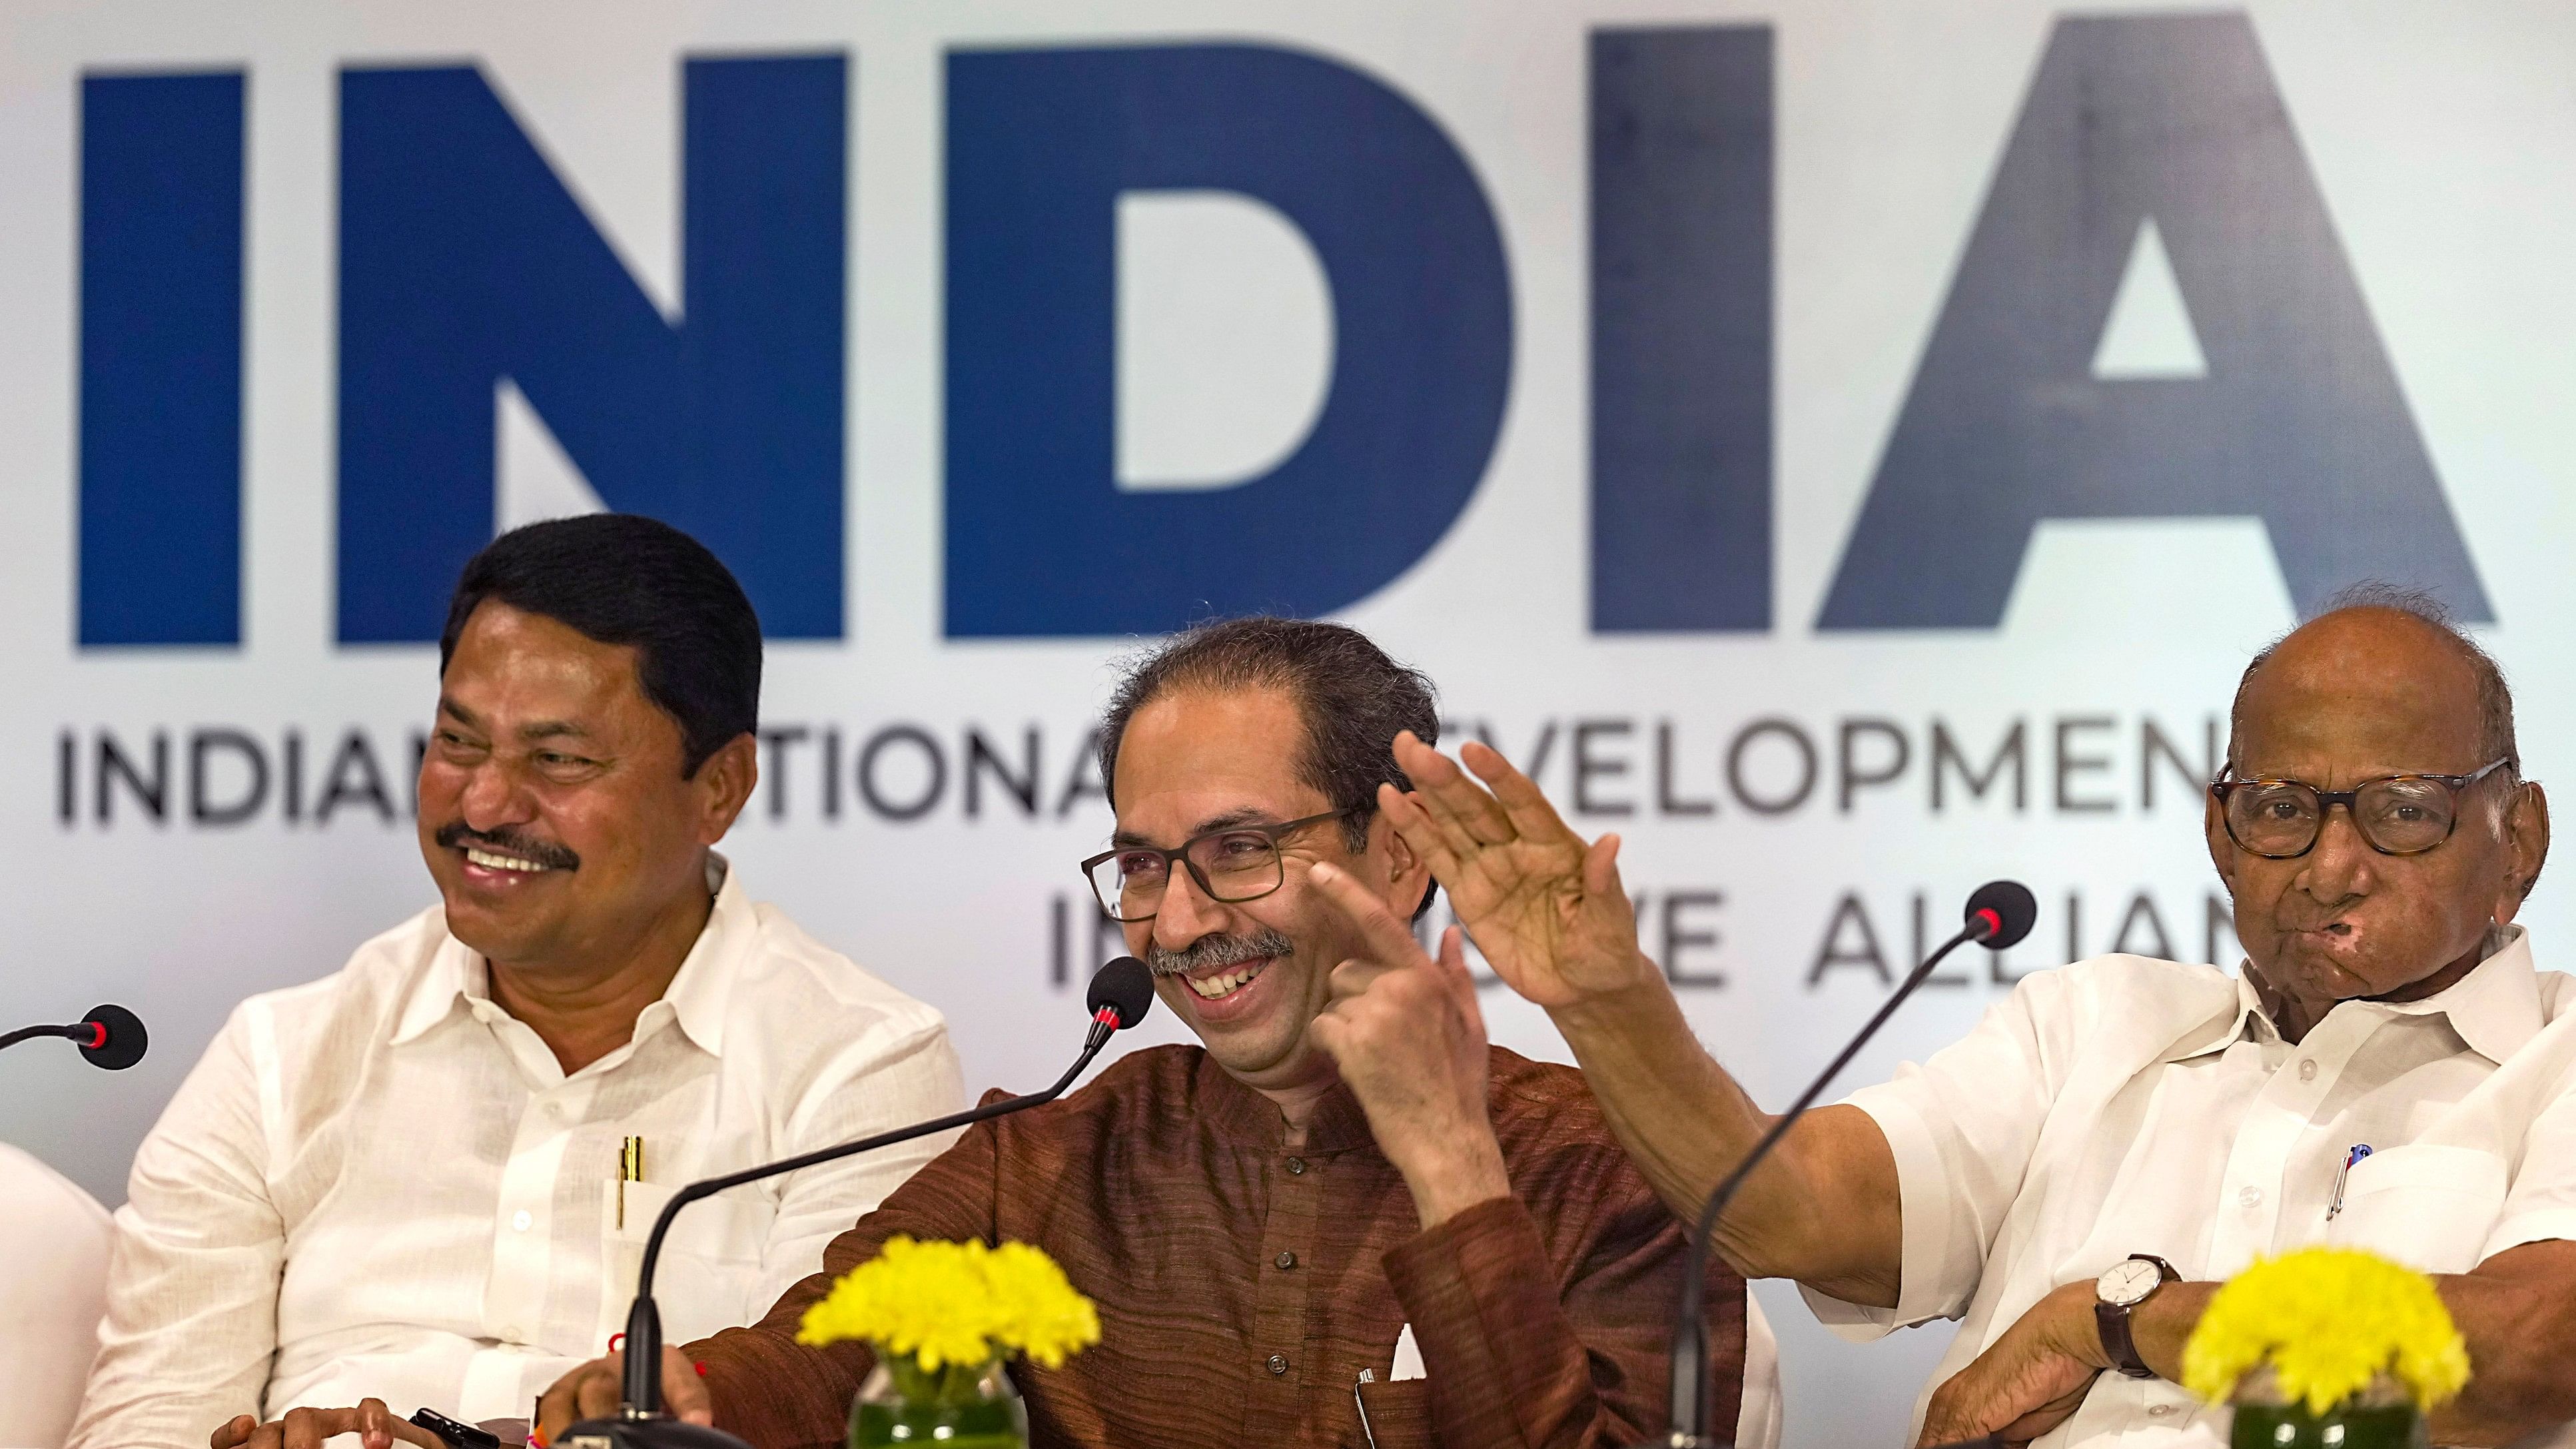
(2381, 1416)
(958, 1406)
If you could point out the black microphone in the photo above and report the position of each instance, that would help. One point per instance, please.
(110, 1036)
(1999, 914)
(1121, 993)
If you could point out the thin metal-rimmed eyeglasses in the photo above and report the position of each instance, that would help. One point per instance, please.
(1233, 864)
(2396, 814)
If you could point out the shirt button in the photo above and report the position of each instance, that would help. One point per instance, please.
(2160, 1410)
(2250, 1196)
(1279, 1363)
(1296, 1166)
(2308, 1070)
(520, 1220)
(1286, 1260)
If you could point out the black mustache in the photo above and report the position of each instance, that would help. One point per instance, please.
(509, 842)
(1216, 951)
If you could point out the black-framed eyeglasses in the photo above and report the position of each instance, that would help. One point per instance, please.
(2280, 819)
(1233, 864)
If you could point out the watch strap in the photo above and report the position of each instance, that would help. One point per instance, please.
(2112, 1321)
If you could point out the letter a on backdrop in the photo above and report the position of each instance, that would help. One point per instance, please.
(2297, 421)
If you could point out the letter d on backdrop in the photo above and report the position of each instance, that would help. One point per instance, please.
(1041, 540)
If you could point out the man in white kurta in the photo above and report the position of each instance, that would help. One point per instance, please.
(426, 1181)
(2389, 1068)
(382, 1185)
(2124, 1105)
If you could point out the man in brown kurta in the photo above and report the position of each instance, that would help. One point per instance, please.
(1343, 1219)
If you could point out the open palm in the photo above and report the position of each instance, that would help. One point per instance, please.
(1546, 908)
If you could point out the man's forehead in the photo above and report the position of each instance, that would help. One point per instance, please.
(1197, 760)
(2385, 692)
(511, 668)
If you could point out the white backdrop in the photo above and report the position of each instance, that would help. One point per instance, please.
(2438, 140)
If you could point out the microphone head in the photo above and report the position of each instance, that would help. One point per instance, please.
(121, 1039)
(2010, 911)
(1124, 988)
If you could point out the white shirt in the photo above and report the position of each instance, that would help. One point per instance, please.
(383, 1184)
(2123, 1105)
(53, 1286)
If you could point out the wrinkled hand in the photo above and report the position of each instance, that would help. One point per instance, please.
(2027, 1382)
(1545, 908)
(592, 1391)
(1409, 1038)
(373, 1423)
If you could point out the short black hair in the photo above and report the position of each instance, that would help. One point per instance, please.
(1353, 697)
(637, 582)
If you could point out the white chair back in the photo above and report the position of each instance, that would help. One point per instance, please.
(53, 1290)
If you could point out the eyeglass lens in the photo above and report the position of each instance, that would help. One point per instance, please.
(2400, 817)
(1235, 865)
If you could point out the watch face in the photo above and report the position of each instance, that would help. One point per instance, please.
(2127, 1284)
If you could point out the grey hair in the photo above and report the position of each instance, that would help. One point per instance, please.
(2495, 697)
(1353, 697)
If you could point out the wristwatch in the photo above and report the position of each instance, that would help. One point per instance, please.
(2129, 1282)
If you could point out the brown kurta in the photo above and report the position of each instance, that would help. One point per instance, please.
(1242, 1288)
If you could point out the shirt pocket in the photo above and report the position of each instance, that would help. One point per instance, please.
(2429, 1206)
(1399, 1415)
(710, 1260)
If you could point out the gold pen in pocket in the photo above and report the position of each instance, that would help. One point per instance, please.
(630, 1168)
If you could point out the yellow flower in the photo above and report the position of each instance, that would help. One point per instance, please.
(2328, 1320)
(956, 1303)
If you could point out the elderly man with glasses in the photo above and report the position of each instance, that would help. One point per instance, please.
(2389, 1070)
(1343, 1218)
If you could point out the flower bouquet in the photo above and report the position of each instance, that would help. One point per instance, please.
(2326, 1347)
(942, 1318)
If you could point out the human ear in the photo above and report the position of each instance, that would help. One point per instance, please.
(1408, 875)
(2222, 849)
(2526, 843)
(724, 784)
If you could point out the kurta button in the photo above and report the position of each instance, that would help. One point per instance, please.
(2308, 1070)
(1286, 1260)
(1279, 1363)
(1296, 1166)
(520, 1220)
(2251, 1197)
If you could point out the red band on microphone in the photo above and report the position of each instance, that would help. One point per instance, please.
(97, 1034)
(1107, 1016)
(1991, 920)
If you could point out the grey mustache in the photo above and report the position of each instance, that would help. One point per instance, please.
(1209, 951)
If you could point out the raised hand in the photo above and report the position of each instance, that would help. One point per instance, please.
(1409, 1038)
(1545, 907)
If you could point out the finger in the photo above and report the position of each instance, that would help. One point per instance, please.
(1389, 939)
(595, 1397)
(1523, 806)
(232, 1433)
(1601, 872)
(1459, 977)
(559, 1407)
(684, 1388)
(379, 1429)
(1447, 858)
(1466, 812)
(1352, 978)
(1330, 1033)
(307, 1428)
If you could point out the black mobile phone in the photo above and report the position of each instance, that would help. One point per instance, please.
(458, 1436)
